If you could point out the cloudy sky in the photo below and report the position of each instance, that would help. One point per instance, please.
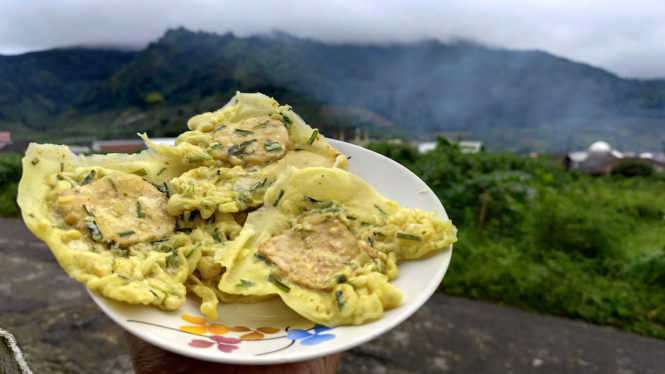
(625, 37)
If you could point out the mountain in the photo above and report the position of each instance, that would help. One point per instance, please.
(37, 87)
(513, 100)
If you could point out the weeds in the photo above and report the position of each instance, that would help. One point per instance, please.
(553, 242)
(10, 174)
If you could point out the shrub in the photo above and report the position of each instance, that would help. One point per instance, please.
(154, 99)
(402, 153)
(644, 211)
(10, 174)
(8, 206)
(633, 168)
(561, 243)
(10, 168)
(580, 226)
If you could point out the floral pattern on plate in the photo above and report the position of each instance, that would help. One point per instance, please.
(307, 338)
(227, 344)
(224, 344)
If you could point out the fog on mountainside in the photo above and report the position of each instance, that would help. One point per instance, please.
(518, 101)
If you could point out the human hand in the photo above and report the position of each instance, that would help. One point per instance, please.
(148, 359)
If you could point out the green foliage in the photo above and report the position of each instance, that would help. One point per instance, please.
(10, 174)
(402, 153)
(554, 283)
(8, 206)
(577, 226)
(154, 98)
(460, 181)
(10, 168)
(537, 101)
(633, 168)
(175, 128)
(554, 242)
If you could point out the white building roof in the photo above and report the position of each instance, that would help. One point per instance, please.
(617, 154)
(167, 141)
(97, 144)
(465, 146)
(578, 156)
(79, 149)
(426, 147)
(470, 146)
(600, 146)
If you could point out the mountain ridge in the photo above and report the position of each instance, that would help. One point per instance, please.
(513, 100)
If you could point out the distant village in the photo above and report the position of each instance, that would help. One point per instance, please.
(599, 159)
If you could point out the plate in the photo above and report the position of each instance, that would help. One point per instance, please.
(268, 332)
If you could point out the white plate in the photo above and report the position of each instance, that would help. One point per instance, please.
(273, 333)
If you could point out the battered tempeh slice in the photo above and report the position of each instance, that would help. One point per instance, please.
(328, 244)
(312, 255)
(125, 208)
(110, 229)
(254, 141)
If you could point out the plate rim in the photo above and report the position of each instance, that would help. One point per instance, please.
(410, 310)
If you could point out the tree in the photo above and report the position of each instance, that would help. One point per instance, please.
(633, 168)
(154, 99)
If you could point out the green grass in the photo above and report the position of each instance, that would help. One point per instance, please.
(646, 238)
(10, 174)
(610, 293)
(553, 242)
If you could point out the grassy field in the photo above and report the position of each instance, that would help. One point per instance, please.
(10, 174)
(552, 242)
(549, 241)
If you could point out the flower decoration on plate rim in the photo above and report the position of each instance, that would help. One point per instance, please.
(224, 344)
(307, 338)
(228, 344)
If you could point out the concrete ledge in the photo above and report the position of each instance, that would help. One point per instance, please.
(11, 357)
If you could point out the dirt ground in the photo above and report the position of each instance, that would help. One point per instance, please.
(61, 330)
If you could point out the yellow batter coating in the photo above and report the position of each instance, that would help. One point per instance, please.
(106, 201)
(148, 228)
(327, 243)
(133, 228)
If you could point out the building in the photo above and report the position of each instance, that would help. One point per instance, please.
(128, 145)
(168, 141)
(601, 159)
(561, 158)
(471, 146)
(465, 146)
(15, 146)
(79, 149)
(426, 147)
(118, 146)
